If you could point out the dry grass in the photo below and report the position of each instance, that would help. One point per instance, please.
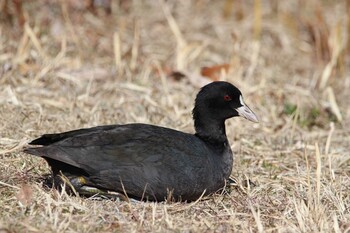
(68, 68)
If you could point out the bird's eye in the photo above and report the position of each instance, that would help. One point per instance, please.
(227, 97)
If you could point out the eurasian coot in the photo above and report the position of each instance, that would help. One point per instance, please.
(148, 162)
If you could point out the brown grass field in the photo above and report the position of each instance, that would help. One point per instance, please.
(68, 67)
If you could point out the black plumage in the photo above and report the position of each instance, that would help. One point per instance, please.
(146, 161)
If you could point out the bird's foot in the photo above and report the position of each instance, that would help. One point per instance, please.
(81, 186)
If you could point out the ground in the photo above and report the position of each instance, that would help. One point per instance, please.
(69, 67)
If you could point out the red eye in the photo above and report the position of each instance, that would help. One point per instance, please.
(227, 97)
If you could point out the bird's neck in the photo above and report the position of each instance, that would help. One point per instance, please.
(210, 130)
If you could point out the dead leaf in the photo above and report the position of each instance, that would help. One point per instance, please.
(196, 80)
(28, 68)
(214, 72)
(166, 70)
(25, 195)
(176, 75)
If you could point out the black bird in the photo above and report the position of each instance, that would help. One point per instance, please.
(150, 162)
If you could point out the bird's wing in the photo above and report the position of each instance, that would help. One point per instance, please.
(48, 139)
(118, 146)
